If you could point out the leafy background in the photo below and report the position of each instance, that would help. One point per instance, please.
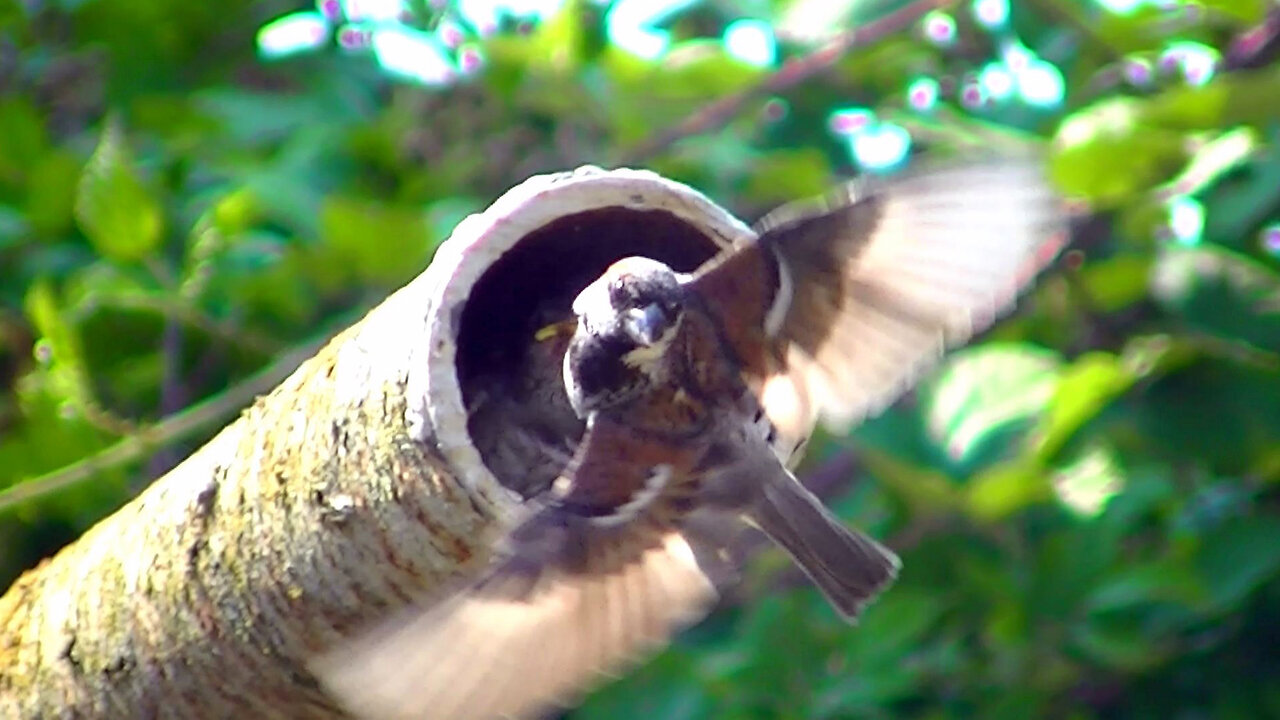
(192, 195)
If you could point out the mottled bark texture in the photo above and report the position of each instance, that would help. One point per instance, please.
(328, 504)
(317, 510)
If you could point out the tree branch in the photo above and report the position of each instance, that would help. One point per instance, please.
(792, 72)
(319, 509)
(169, 430)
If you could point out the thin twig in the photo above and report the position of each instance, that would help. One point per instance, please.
(192, 317)
(1256, 46)
(166, 431)
(718, 113)
(173, 394)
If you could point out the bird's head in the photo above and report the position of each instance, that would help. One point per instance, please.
(627, 321)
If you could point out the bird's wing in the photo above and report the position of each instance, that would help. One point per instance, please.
(856, 296)
(595, 579)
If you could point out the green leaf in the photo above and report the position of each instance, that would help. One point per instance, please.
(1085, 388)
(1087, 482)
(1213, 159)
(863, 690)
(1239, 202)
(1117, 282)
(1215, 412)
(1224, 293)
(51, 193)
(255, 118)
(894, 624)
(48, 438)
(926, 489)
(646, 95)
(12, 227)
(1088, 143)
(703, 69)
(119, 215)
(1245, 11)
(781, 176)
(556, 45)
(22, 138)
(1247, 96)
(259, 271)
(403, 239)
(1007, 488)
(1138, 585)
(1237, 558)
(1119, 645)
(59, 345)
(985, 397)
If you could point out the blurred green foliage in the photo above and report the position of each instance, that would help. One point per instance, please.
(1085, 500)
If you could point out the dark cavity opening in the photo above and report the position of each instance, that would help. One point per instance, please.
(511, 384)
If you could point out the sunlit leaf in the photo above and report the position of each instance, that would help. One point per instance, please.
(114, 208)
(1245, 97)
(1007, 488)
(557, 43)
(1220, 291)
(1089, 141)
(703, 69)
(986, 397)
(1083, 390)
(1214, 159)
(1246, 11)
(1087, 482)
(58, 348)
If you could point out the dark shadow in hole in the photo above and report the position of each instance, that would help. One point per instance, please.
(533, 285)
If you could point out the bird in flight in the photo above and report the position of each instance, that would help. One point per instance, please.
(698, 392)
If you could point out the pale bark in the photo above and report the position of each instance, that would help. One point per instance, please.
(346, 493)
(317, 510)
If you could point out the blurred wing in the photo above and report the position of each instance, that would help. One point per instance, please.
(581, 592)
(858, 296)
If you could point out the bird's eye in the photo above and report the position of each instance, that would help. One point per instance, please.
(622, 294)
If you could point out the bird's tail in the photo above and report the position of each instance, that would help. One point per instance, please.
(847, 566)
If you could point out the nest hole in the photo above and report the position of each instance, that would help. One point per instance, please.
(518, 416)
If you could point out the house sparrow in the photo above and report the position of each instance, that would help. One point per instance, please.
(697, 391)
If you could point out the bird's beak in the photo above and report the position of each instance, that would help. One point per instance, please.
(647, 324)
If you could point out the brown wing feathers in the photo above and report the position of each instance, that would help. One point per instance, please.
(483, 654)
(817, 242)
(576, 595)
(740, 288)
(886, 275)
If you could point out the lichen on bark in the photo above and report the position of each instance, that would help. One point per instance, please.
(319, 509)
